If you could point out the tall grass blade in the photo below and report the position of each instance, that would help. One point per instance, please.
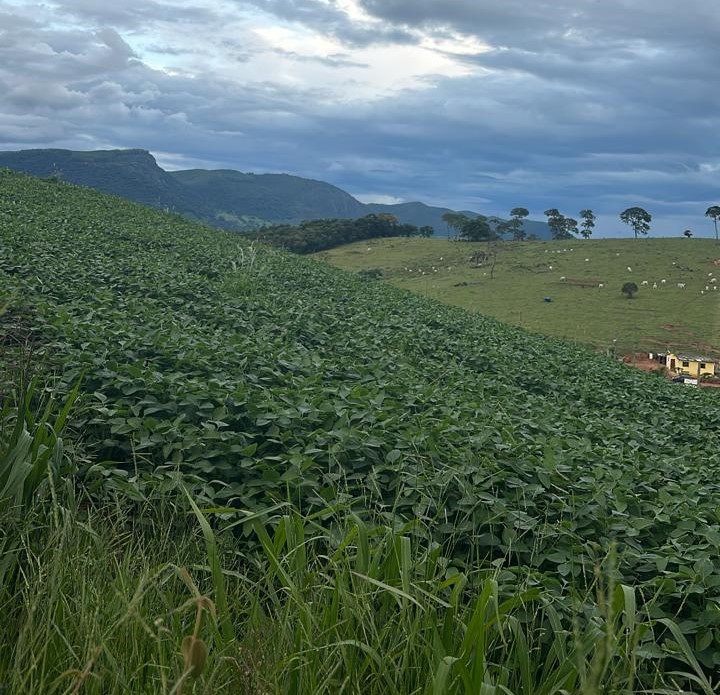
(220, 593)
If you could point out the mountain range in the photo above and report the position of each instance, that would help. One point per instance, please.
(220, 197)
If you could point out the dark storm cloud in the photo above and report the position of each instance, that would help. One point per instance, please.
(331, 19)
(128, 14)
(85, 90)
(518, 22)
(612, 101)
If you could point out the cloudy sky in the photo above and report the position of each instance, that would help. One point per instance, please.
(473, 104)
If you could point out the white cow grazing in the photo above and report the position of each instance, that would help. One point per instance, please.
(707, 288)
(681, 285)
(629, 269)
(549, 267)
(713, 281)
(662, 281)
(644, 282)
(586, 260)
(654, 285)
(562, 278)
(601, 284)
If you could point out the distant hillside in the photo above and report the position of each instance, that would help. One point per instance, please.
(222, 198)
(275, 197)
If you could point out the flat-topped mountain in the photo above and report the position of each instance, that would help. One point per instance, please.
(222, 198)
(132, 174)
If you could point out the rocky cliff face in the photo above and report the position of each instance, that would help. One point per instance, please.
(132, 174)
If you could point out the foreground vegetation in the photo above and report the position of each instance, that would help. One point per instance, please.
(657, 318)
(112, 593)
(391, 495)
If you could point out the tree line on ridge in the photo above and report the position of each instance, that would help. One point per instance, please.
(561, 227)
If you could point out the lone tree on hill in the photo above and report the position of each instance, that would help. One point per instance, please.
(638, 219)
(588, 223)
(629, 289)
(687, 233)
(558, 224)
(516, 223)
(714, 212)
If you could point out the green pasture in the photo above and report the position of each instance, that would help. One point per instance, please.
(527, 272)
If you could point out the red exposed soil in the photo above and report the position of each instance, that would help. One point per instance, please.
(642, 361)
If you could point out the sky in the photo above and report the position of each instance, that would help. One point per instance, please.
(480, 105)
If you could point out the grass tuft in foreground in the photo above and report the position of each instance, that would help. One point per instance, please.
(117, 596)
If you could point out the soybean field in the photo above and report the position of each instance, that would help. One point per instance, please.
(581, 496)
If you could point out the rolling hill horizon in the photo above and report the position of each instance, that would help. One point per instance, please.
(224, 198)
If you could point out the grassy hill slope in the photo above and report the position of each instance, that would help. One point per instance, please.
(527, 272)
(528, 461)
